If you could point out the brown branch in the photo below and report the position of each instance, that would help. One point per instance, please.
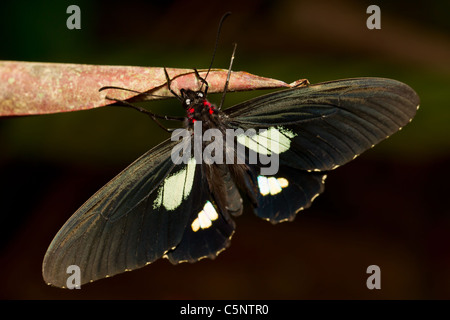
(28, 88)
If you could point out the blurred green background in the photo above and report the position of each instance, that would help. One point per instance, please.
(385, 208)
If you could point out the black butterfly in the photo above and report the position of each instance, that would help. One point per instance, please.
(156, 208)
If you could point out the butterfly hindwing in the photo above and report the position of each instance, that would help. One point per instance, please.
(210, 226)
(208, 232)
(281, 196)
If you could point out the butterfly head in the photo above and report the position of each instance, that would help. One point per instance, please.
(192, 99)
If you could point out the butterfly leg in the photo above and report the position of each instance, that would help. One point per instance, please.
(169, 81)
(202, 80)
(154, 116)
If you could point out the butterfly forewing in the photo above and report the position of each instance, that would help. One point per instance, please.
(328, 124)
(133, 220)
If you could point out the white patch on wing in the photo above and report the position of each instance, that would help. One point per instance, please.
(283, 182)
(195, 225)
(176, 187)
(271, 185)
(250, 143)
(204, 220)
(274, 185)
(273, 140)
(263, 185)
(205, 217)
(288, 133)
(210, 211)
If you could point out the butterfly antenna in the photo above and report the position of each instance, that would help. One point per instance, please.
(217, 43)
(228, 77)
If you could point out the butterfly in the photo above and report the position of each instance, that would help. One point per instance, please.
(157, 208)
(179, 199)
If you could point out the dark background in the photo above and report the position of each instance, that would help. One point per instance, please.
(389, 207)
